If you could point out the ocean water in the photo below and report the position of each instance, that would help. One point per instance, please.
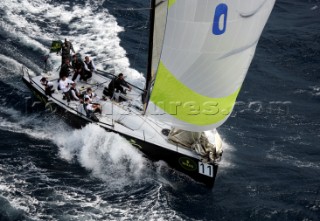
(50, 171)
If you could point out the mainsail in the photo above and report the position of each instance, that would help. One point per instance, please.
(207, 47)
(160, 18)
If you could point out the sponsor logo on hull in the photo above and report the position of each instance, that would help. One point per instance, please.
(187, 164)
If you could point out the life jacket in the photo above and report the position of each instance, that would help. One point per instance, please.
(89, 65)
(73, 89)
(77, 65)
(91, 95)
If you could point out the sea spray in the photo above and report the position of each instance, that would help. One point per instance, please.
(109, 156)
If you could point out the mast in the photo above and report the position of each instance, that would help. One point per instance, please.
(146, 94)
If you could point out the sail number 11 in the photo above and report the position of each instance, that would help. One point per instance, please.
(205, 169)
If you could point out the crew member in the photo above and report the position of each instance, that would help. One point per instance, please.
(89, 68)
(116, 85)
(48, 86)
(74, 92)
(65, 69)
(65, 50)
(77, 67)
(65, 85)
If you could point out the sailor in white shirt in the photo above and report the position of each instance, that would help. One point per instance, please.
(65, 85)
(91, 109)
(93, 98)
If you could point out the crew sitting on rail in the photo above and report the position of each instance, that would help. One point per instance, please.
(90, 109)
(91, 95)
(48, 86)
(74, 93)
(65, 85)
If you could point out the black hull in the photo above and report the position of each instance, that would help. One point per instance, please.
(185, 164)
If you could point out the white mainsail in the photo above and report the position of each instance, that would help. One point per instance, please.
(207, 49)
(160, 15)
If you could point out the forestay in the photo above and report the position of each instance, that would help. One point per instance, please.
(207, 48)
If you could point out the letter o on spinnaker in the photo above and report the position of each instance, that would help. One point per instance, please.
(221, 10)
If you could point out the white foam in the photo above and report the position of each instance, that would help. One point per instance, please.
(227, 156)
(93, 31)
(4, 188)
(103, 153)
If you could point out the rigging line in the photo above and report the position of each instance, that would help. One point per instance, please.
(143, 121)
(158, 124)
(154, 128)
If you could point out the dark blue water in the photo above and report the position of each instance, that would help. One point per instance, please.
(49, 171)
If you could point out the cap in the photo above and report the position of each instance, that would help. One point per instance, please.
(43, 79)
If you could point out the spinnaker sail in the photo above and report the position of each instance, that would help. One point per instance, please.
(207, 48)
